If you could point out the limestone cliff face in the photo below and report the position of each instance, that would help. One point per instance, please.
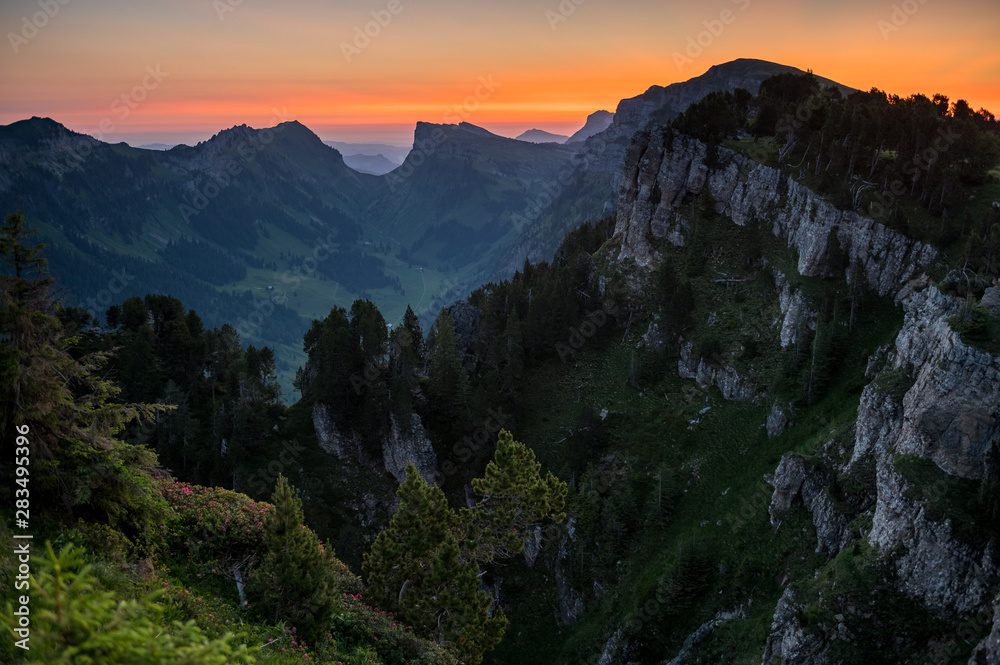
(796, 481)
(732, 386)
(796, 313)
(660, 170)
(950, 413)
(947, 415)
(931, 395)
(400, 445)
(409, 444)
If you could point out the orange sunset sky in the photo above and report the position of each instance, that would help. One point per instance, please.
(551, 63)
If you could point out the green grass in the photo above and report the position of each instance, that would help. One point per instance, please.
(716, 467)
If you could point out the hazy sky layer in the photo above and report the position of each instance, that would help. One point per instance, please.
(179, 71)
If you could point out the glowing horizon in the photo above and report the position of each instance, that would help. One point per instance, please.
(192, 69)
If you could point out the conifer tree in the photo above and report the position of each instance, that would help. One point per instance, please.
(513, 496)
(294, 582)
(401, 553)
(74, 621)
(403, 365)
(448, 382)
(415, 569)
(414, 345)
(66, 410)
(255, 409)
(512, 358)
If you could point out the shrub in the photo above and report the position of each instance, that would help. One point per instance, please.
(74, 621)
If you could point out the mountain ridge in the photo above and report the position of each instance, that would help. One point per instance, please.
(458, 184)
(541, 136)
(596, 122)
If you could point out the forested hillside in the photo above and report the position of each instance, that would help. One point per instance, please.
(750, 417)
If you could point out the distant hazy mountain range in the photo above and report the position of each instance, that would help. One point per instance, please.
(542, 136)
(270, 228)
(393, 153)
(371, 164)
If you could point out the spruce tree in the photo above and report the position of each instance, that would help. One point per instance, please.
(447, 381)
(414, 337)
(294, 582)
(73, 620)
(68, 413)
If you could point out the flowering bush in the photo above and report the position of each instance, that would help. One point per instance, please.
(214, 524)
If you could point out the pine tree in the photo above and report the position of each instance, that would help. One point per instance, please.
(416, 569)
(425, 565)
(294, 581)
(513, 496)
(512, 359)
(401, 553)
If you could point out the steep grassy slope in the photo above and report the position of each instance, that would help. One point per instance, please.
(677, 468)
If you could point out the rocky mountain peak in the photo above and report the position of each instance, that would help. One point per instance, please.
(597, 122)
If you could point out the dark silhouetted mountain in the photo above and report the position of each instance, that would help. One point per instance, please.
(213, 224)
(461, 194)
(589, 193)
(662, 103)
(597, 121)
(541, 136)
(270, 228)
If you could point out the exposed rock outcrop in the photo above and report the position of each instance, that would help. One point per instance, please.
(934, 398)
(796, 314)
(410, 444)
(661, 168)
(569, 603)
(732, 386)
(703, 631)
(933, 566)
(400, 445)
(532, 547)
(597, 122)
(329, 436)
(654, 339)
(796, 481)
(610, 649)
(991, 300)
(777, 420)
(950, 413)
(987, 652)
(789, 642)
